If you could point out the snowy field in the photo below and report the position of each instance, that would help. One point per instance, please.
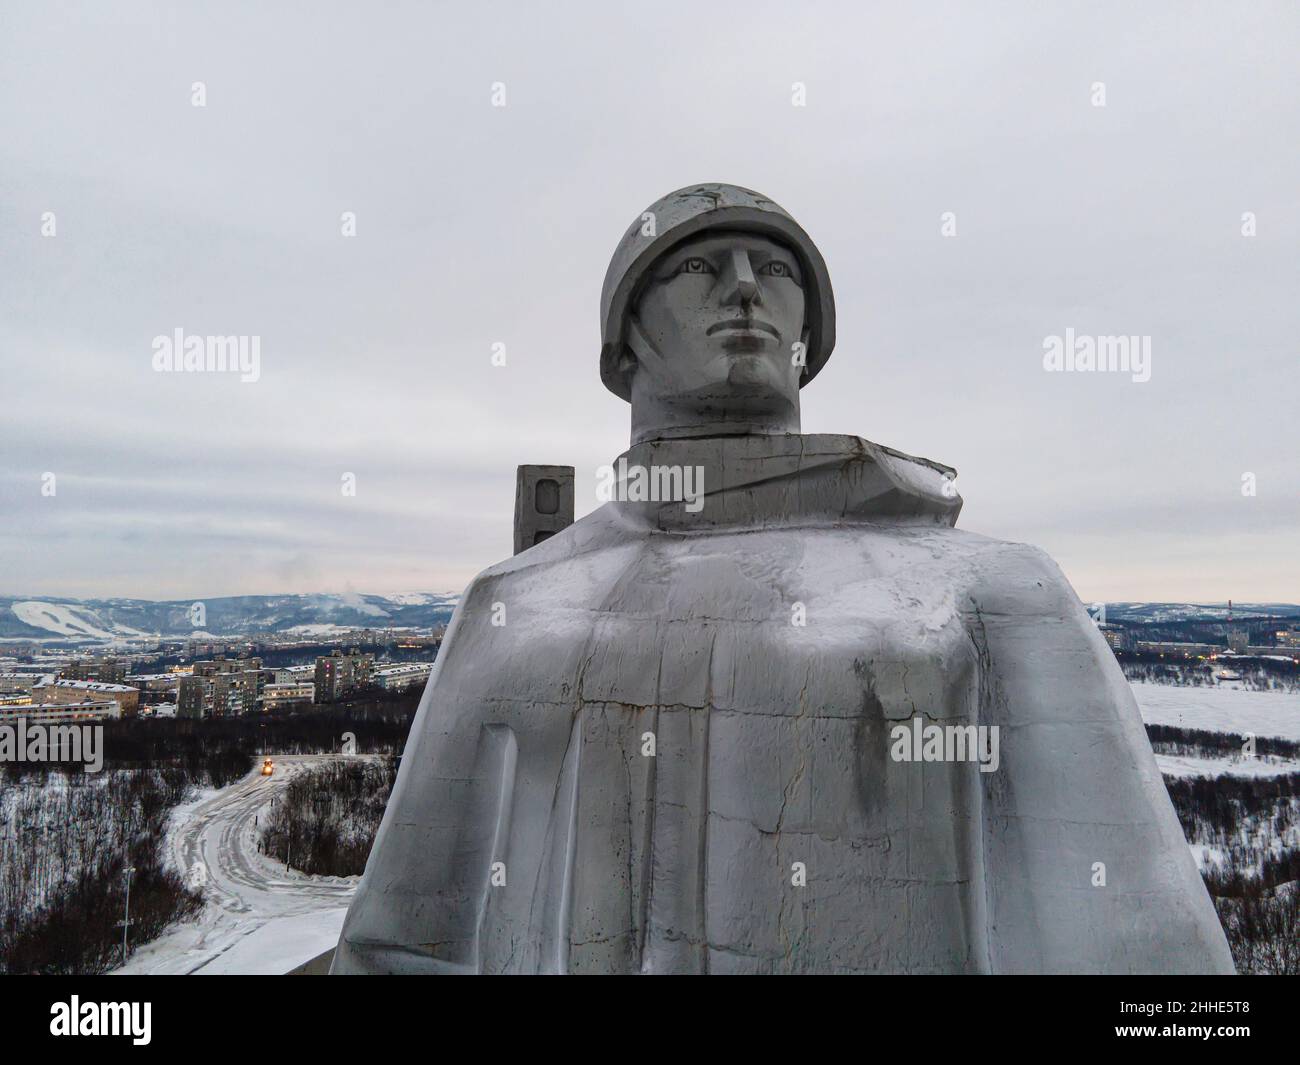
(1226, 708)
(1222, 709)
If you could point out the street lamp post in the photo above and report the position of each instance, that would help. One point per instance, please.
(126, 917)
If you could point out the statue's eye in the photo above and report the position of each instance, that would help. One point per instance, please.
(776, 268)
(696, 266)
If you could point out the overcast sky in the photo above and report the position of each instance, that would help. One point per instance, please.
(478, 224)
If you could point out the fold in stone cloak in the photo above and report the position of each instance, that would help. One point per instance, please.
(528, 831)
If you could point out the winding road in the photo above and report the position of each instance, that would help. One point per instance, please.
(258, 917)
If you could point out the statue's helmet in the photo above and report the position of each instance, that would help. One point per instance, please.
(686, 213)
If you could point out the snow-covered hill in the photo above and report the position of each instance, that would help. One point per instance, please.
(58, 620)
(1165, 613)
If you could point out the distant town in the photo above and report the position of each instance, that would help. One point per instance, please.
(1204, 634)
(210, 678)
(205, 676)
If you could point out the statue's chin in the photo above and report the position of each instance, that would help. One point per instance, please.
(745, 387)
(748, 371)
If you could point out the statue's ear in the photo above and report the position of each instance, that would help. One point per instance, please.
(626, 363)
(636, 349)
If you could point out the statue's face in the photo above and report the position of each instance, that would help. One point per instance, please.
(723, 313)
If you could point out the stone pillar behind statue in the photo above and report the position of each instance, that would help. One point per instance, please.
(543, 503)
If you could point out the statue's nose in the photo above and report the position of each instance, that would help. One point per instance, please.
(738, 283)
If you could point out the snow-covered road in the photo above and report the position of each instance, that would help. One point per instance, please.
(258, 917)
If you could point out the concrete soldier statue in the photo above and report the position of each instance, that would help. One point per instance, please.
(790, 720)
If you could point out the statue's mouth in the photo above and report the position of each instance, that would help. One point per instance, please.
(742, 325)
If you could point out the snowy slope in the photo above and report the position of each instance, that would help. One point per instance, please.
(60, 619)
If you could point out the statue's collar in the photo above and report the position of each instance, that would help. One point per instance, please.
(763, 481)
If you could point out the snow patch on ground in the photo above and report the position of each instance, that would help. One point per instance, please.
(281, 945)
(1182, 765)
(1220, 709)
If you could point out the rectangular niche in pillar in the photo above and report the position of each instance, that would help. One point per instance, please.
(543, 503)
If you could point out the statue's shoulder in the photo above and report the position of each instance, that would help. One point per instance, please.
(1010, 577)
(577, 561)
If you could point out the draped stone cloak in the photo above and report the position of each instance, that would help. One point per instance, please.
(630, 747)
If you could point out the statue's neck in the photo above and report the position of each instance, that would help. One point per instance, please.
(654, 418)
(707, 484)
